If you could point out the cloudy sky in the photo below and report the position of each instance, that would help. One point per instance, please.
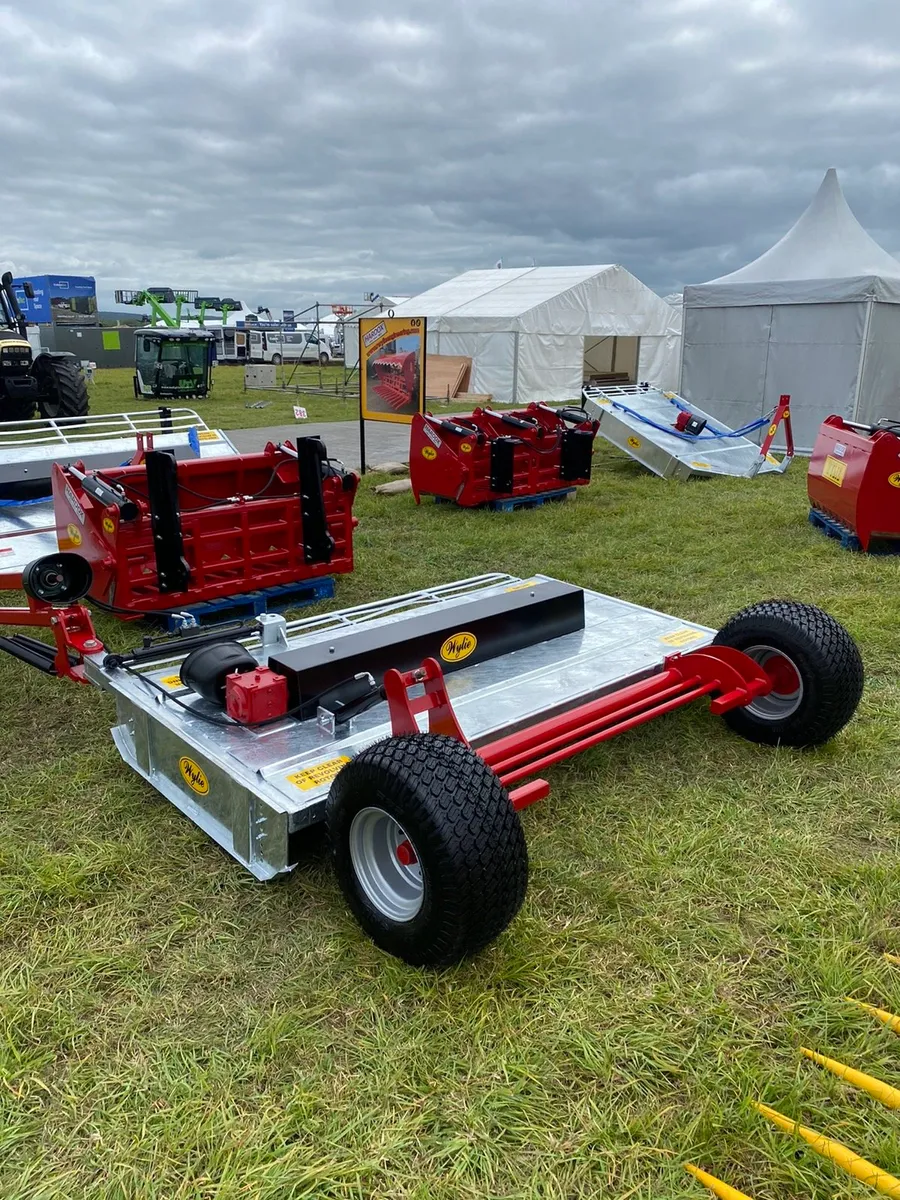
(284, 150)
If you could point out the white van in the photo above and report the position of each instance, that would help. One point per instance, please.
(296, 345)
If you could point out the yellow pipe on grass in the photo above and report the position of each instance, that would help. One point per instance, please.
(716, 1186)
(887, 1095)
(842, 1156)
(882, 1014)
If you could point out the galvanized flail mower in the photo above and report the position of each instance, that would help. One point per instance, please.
(417, 727)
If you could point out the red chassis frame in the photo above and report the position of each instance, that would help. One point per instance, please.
(72, 628)
(782, 415)
(730, 673)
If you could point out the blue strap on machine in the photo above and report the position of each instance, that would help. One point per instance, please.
(693, 437)
(24, 503)
(194, 440)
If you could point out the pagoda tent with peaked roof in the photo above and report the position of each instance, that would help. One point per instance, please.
(817, 317)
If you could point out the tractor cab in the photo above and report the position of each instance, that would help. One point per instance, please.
(172, 363)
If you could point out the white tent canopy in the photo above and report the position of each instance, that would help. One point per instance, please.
(816, 317)
(530, 330)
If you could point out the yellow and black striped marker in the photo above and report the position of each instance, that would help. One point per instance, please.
(842, 1156)
(716, 1186)
(883, 1092)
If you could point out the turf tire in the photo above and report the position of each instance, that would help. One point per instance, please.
(467, 836)
(825, 657)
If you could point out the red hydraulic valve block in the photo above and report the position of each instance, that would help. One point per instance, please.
(255, 696)
(491, 455)
(854, 483)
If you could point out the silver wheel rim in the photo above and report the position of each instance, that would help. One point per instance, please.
(777, 705)
(395, 888)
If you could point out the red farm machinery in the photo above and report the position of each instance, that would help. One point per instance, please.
(854, 484)
(190, 538)
(501, 458)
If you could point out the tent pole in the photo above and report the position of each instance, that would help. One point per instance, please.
(515, 387)
(862, 357)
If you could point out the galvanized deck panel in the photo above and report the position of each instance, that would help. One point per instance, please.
(28, 449)
(264, 784)
(668, 454)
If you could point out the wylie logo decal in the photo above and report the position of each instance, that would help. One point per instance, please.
(458, 647)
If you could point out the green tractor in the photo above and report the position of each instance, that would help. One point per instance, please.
(53, 381)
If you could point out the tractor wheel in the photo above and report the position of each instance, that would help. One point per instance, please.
(16, 408)
(63, 389)
(815, 668)
(429, 852)
(276, 360)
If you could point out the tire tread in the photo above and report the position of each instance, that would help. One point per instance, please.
(821, 643)
(473, 836)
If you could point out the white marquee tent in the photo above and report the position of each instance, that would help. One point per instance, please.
(535, 333)
(817, 317)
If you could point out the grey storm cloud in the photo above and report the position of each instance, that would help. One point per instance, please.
(285, 150)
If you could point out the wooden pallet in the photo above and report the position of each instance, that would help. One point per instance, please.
(251, 604)
(834, 529)
(510, 503)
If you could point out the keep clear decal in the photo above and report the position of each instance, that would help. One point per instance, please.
(313, 777)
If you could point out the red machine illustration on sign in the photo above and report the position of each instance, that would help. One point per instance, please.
(392, 368)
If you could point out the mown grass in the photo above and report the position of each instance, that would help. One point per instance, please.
(699, 907)
(227, 405)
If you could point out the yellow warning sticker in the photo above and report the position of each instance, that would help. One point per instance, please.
(466, 447)
(834, 471)
(634, 443)
(207, 435)
(773, 429)
(314, 777)
(682, 637)
(74, 535)
(894, 480)
(702, 465)
(669, 395)
(171, 681)
(429, 452)
(518, 587)
(109, 525)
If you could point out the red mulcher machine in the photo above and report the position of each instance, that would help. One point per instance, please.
(418, 727)
(854, 484)
(500, 458)
(164, 538)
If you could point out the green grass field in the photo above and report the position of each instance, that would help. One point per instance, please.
(699, 908)
(226, 407)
